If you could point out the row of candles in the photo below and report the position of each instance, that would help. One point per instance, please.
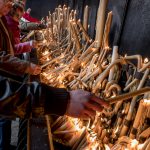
(72, 60)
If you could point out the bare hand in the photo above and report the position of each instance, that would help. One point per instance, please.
(84, 105)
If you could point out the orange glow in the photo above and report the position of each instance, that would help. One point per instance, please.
(134, 143)
(146, 60)
(45, 53)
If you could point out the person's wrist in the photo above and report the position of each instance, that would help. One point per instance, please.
(28, 68)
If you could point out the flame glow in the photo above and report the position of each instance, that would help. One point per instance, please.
(45, 53)
(134, 143)
(146, 60)
(67, 70)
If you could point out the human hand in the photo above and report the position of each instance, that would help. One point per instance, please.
(35, 44)
(34, 69)
(39, 36)
(84, 105)
(42, 26)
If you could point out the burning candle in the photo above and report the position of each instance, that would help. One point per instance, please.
(45, 53)
(146, 60)
(85, 18)
(100, 21)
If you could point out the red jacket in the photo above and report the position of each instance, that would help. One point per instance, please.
(29, 18)
(14, 27)
(6, 37)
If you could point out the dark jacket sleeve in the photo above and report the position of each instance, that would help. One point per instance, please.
(32, 99)
(28, 26)
(52, 100)
(13, 64)
(19, 99)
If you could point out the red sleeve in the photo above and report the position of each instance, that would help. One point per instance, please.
(30, 18)
(23, 48)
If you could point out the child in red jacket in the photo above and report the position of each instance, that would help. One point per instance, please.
(13, 22)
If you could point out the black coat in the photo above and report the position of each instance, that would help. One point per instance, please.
(20, 99)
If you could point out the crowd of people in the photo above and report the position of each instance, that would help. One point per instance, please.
(21, 99)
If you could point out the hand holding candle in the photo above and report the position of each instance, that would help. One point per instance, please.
(84, 105)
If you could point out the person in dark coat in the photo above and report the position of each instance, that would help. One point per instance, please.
(7, 45)
(22, 99)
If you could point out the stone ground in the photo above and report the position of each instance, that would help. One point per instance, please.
(14, 134)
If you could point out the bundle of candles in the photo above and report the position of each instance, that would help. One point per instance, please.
(71, 59)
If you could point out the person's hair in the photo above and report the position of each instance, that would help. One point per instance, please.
(15, 7)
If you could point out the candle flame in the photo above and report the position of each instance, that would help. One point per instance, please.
(95, 66)
(134, 143)
(76, 123)
(45, 53)
(44, 74)
(107, 147)
(47, 58)
(146, 60)
(147, 101)
(117, 129)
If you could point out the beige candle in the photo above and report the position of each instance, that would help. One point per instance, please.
(133, 103)
(114, 57)
(51, 146)
(86, 18)
(100, 21)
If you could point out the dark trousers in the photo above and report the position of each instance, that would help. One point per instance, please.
(5, 134)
